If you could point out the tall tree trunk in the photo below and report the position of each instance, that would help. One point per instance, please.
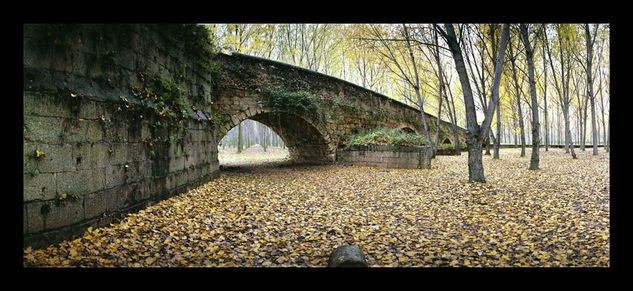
(545, 101)
(521, 126)
(416, 85)
(562, 87)
(487, 142)
(517, 88)
(589, 42)
(608, 145)
(568, 136)
(493, 44)
(480, 85)
(581, 127)
(441, 91)
(604, 128)
(453, 116)
(584, 124)
(534, 160)
(264, 138)
(474, 133)
(514, 126)
(240, 145)
(498, 139)
(475, 164)
(559, 129)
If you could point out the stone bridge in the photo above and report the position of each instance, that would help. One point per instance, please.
(343, 108)
(117, 117)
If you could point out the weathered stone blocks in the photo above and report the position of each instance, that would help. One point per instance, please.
(95, 204)
(63, 213)
(116, 175)
(386, 156)
(43, 129)
(39, 187)
(116, 153)
(34, 216)
(44, 105)
(81, 182)
(55, 157)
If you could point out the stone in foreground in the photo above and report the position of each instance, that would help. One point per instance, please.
(347, 256)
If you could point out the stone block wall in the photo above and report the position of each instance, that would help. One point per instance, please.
(101, 157)
(386, 156)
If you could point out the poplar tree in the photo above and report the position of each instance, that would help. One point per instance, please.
(475, 134)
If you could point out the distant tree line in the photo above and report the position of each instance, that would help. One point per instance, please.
(249, 133)
(523, 84)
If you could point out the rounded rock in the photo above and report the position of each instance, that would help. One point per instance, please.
(347, 256)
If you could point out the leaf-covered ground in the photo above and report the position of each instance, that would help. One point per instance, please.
(296, 216)
(254, 155)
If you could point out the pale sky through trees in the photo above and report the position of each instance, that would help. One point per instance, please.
(352, 52)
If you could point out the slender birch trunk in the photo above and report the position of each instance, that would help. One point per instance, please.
(441, 91)
(518, 98)
(534, 160)
(545, 102)
(590, 41)
(417, 92)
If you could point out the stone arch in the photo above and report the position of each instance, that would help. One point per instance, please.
(447, 141)
(306, 142)
(407, 128)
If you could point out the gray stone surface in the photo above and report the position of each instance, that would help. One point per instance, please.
(89, 109)
(95, 204)
(116, 175)
(34, 217)
(386, 156)
(115, 198)
(347, 256)
(81, 182)
(39, 187)
(43, 129)
(58, 158)
(44, 105)
(117, 153)
(63, 213)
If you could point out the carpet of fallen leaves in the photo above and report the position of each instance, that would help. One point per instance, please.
(296, 216)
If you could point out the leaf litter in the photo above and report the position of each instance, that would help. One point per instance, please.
(295, 216)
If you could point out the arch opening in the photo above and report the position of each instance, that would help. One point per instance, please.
(408, 130)
(293, 140)
(251, 143)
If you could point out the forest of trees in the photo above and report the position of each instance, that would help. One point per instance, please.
(248, 133)
(532, 85)
(160, 197)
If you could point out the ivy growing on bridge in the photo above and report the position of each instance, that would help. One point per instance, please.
(386, 136)
(299, 102)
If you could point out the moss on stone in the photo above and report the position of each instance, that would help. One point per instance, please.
(386, 136)
(299, 103)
